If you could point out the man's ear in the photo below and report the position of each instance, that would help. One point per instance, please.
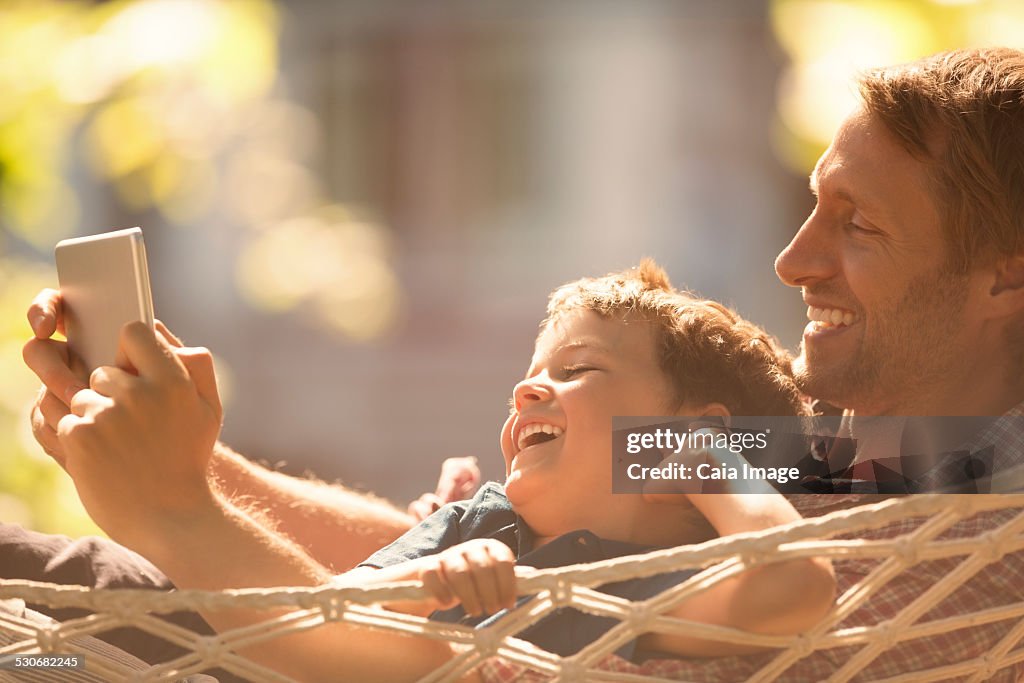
(1007, 292)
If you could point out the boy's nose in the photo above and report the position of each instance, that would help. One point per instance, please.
(531, 390)
(809, 257)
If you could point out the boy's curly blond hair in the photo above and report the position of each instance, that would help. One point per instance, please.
(708, 351)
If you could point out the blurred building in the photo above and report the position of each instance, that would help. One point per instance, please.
(367, 244)
(506, 150)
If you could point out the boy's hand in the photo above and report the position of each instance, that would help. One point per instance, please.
(479, 574)
(138, 446)
(678, 491)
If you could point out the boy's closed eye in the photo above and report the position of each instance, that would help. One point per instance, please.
(569, 371)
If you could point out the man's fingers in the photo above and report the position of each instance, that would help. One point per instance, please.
(198, 362)
(66, 424)
(87, 403)
(424, 506)
(167, 334)
(44, 314)
(110, 381)
(48, 358)
(45, 432)
(149, 353)
(459, 478)
(50, 408)
(418, 510)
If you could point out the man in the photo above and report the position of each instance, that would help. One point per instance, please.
(912, 270)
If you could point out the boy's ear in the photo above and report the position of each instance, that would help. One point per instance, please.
(716, 410)
(1007, 292)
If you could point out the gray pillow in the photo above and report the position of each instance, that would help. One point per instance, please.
(13, 613)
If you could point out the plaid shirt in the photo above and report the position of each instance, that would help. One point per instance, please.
(997, 584)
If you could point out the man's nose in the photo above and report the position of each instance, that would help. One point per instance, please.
(532, 390)
(810, 256)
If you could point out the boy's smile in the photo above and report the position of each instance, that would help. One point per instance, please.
(557, 441)
(534, 433)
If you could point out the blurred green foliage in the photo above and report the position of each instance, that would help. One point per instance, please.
(829, 41)
(171, 107)
(140, 92)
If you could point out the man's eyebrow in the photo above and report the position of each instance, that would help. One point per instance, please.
(847, 196)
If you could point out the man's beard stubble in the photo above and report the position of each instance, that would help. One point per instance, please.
(903, 351)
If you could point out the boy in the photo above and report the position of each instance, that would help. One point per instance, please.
(626, 344)
(623, 344)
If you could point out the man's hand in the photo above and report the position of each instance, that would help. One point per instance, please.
(459, 479)
(479, 574)
(49, 359)
(62, 376)
(138, 446)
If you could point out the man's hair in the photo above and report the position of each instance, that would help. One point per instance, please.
(962, 112)
(708, 352)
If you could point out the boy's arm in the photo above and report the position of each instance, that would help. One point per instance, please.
(779, 599)
(162, 505)
(478, 574)
(215, 546)
(783, 598)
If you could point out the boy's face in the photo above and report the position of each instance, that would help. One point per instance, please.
(585, 370)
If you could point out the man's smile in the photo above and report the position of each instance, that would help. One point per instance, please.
(828, 321)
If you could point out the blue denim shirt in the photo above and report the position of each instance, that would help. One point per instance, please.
(490, 515)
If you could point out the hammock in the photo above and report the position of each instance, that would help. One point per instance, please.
(846, 536)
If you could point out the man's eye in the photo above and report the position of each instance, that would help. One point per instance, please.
(860, 229)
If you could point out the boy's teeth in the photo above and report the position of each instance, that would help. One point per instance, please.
(536, 428)
(831, 317)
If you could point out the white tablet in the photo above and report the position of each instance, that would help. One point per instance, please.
(104, 284)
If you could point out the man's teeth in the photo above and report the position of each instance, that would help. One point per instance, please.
(536, 428)
(830, 317)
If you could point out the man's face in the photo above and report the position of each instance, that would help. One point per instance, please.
(557, 442)
(889, 321)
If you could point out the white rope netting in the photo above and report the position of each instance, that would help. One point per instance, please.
(845, 536)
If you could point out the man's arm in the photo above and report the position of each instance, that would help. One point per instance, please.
(337, 526)
(164, 507)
